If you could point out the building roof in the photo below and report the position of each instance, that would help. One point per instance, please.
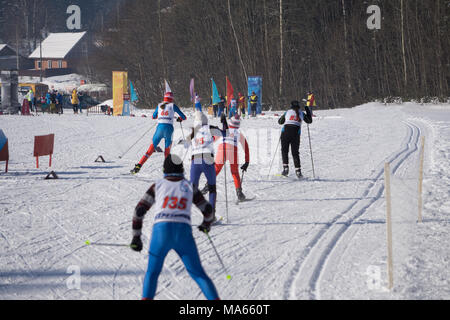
(5, 46)
(57, 45)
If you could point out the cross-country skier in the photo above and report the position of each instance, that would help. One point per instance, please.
(202, 142)
(228, 151)
(197, 102)
(165, 113)
(290, 135)
(172, 198)
(233, 110)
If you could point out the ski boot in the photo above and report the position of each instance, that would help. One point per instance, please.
(298, 172)
(136, 169)
(285, 171)
(205, 189)
(240, 195)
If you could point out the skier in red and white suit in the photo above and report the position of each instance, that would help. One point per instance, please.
(228, 151)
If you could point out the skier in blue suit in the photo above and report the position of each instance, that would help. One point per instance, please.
(233, 110)
(172, 197)
(165, 113)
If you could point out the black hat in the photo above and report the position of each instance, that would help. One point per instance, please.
(173, 165)
(295, 104)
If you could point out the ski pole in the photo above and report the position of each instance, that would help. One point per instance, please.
(218, 256)
(120, 157)
(242, 179)
(275, 154)
(89, 243)
(182, 131)
(225, 169)
(310, 149)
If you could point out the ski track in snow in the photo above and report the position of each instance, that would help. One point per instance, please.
(293, 241)
(324, 243)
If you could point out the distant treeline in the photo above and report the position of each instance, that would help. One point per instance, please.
(295, 45)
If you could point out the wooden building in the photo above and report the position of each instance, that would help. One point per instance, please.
(61, 53)
(10, 60)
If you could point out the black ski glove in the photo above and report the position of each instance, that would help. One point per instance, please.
(308, 118)
(245, 167)
(179, 119)
(136, 244)
(205, 226)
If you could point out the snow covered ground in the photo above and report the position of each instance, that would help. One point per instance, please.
(320, 238)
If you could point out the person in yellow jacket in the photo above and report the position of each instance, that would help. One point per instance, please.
(311, 102)
(253, 104)
(75, 101)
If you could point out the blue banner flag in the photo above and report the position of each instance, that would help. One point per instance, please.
(133, 93)
(215, 93)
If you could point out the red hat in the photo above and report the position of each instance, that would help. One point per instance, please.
(168, 97)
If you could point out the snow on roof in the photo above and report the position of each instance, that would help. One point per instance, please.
(94, 87)
(3, 46)
(58, 45)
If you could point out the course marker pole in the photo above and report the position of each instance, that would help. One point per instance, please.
(422, 156)
(390, 265)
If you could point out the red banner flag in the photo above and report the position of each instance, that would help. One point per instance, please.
(230, 92)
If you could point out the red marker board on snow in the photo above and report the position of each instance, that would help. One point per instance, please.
(26, 108)
(4, 154)
(43, 146)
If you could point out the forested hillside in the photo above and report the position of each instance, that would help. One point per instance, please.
(295, 45)
(30, 20)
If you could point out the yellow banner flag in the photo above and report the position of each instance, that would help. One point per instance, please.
(120, 87)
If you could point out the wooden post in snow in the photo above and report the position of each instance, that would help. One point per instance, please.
(390, 265)
(422, 156)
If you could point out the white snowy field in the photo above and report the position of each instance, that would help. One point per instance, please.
(320, 238)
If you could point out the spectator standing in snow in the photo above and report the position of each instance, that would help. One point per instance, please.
(30, 98)
(215, 108)
(75, 101)
(311, 101)
(59, 103)
(53, 106)
(241, 105)
(221, 106)
(48, 101)
(80, 99)
(43, 102)
(254, 103)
